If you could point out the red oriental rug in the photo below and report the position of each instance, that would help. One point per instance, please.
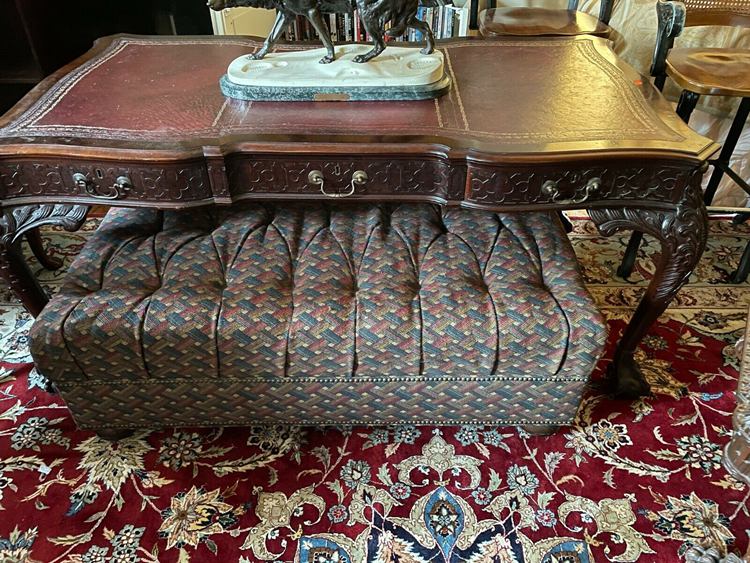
(631, 481)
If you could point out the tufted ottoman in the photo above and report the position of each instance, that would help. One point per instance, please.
(309, 313)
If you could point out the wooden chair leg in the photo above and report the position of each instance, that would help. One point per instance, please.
(742, 271)
(36, 243)
(631, 253)
(727, 149)
(567, 225)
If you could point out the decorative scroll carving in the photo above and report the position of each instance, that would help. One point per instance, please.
(148, 183)
(214, 178)
(682, 233)
(493, 186)
(16, 222)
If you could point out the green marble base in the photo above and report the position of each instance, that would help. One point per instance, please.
(334, 94)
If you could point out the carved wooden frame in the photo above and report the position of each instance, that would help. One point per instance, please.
(19, 221)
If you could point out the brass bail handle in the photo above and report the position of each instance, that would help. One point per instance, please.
(116, 191)
(316, 178)
(549, 188)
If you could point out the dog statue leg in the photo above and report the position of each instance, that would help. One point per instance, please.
(279, 25)
(317, 22)
(376, 33)
(419, 25)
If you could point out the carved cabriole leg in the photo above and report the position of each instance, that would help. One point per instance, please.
(17, 274)
(682, 233)
(25, 220)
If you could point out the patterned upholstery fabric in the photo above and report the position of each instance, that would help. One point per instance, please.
(314, 313)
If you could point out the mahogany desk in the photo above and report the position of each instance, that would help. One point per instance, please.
(530, 124)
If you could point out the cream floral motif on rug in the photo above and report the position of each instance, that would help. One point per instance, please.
(631, 481)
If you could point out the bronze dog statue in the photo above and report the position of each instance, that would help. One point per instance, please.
(375, 14)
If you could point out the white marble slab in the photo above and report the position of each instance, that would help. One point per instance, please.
(396, 66)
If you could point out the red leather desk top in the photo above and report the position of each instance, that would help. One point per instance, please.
(519, 96)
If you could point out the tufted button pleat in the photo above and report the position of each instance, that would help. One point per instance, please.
(314, 290)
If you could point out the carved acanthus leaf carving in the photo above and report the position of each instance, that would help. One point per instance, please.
(682, 232)
(16, 221)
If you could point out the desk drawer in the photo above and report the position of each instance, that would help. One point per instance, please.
(574, 186)
(115, 183)
(345, 178)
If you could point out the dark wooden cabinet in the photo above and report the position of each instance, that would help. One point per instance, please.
(39, 36)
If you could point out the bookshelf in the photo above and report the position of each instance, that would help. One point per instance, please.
(445, 21)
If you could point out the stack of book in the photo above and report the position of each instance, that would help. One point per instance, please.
(445, 20)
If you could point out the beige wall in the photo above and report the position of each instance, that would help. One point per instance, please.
(634, 22)
(243, 21)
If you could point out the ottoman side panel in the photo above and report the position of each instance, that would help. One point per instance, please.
(321, 400)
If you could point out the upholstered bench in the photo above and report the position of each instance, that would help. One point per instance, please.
(309, 313)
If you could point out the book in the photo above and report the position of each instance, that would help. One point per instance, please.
(446, 19)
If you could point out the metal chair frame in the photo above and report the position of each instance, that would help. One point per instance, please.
(673, 17)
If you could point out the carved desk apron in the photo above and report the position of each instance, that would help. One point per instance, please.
(530, 124)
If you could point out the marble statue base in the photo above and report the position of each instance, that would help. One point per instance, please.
(399, 73)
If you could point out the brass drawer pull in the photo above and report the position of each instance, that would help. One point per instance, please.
(316, 178)
(549, 188)
(116, 191)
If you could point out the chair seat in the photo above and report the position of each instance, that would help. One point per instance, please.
(539, 21)
(711, 71)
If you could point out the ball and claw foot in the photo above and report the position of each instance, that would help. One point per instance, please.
(114, 434)
(327, 59)
(256, 56)
(540, 429)
(626, 380)
(427, 50)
